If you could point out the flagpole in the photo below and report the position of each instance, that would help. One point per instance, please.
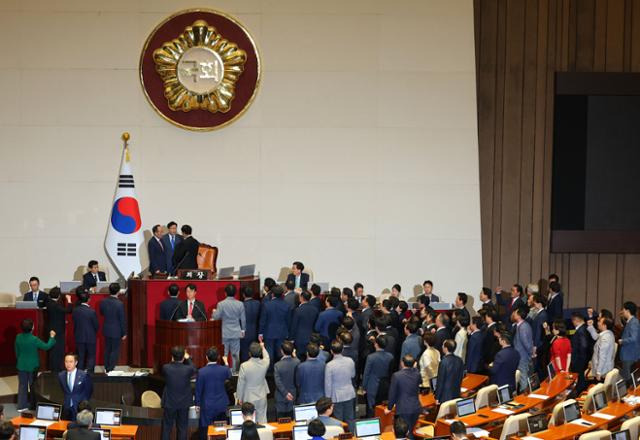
(125, 138)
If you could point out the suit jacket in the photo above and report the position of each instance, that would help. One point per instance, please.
(317, 303)
(304, 279)
(89, 281)
(328, 322)
(304, 318)
(412, 345)
(186, 253)
(523, 340)
(428, 299)
(198, 313)
(310, 380)
(82, 390)
(168, 307)
(57, 316)
(115, 323)
(157, 257)
(26, 348)
(442, 334)
(630, 349)
(85, 324)
(169, 251)
(234, 321)
(211, 394)
(450, 372)
(42, 299)
(603, 353)
(274, 319)
(252, 384)
(290, 298)
(377, 367)
(475, 354)
(338, 379)
(509, 306)
(252, 315)
(363, 319)
(177, 387)
(403, 391)
(580, 349)
(537, 329)
(554, 308)
(284, 372)
(491, 345)
(82, 433)
(503, 371)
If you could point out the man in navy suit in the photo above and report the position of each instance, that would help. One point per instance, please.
(427, 297)
(450, 373)
(629, 342)
(523, 343)
(176, 396)
(512, 303)
(252, 315)
(170, 241)
(403, 392)
(556, 302)
(310, 376)
(475, 355)
(85, 330)
(76, 386)
(155, 248)
(503, 371)
(316, 301)
(300, 280)
(329, 320)
(93, 276)
(185, 255)
(581, 352)
(211, 395)
(169, 307)
(377, 368)
(35, 294)
(114, 328)
(304, 318)
(274, 323)
(537, 317)
(442, 331)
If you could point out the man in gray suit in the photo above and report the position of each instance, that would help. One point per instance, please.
(231, 312)
(252, 385)
(338, 383)
(284, 373)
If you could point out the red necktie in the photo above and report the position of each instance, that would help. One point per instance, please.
(190, 308)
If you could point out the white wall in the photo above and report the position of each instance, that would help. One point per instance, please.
(359, 156)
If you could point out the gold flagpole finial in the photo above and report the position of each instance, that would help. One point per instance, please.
(125, 138)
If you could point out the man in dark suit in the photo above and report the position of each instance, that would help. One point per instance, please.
(300, 280)
(85, 330)
(403, 393)
(176, 396)
(191, 308)
(284, 377)
(450, 373)
(186, 252)
(35, 294)
(485, 299)
(252, 315)
(114, 328)
(155, 248)
(537, 317)
(170, 241)
(556, 303)
(93, 276)
(169, 307)
(304, 318)
(377, 368)
(491, 345)
(81, 429)
(316, 300)
(76, 386)
(442, 331)
(57, 321)
(310, 376)
(514, 302)
(581, 352)
(211, 395)
(503, 371)
(475, 354)
(274, 323)
(461, 305)
(427, 296)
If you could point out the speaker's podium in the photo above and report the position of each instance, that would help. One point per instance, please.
(194, 336)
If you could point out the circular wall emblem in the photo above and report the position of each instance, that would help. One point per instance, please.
(200, 69)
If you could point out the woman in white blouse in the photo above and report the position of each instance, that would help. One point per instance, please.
(430, 359)
(461, 336)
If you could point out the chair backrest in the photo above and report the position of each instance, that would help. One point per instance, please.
(610, 380)
(265, 434)
(557, 415)
(633, 425)
(331, 432)
(150, 399)
(513, 425)
(207, 257)
(596, 435)
(486, 395)
(615, 350)
(588, 400)
(518, 375)
(447, 408)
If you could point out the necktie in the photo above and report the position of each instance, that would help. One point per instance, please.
(70, 384)
(190, 308)
(95, 276)
(172, 242)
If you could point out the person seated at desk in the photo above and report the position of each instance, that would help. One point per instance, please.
(82, 429)
(300, 280)
(169, 306)
(35, 294)
(249, 431)
(191, 308)
(458, 431)
(400, 429)
(7, 431)
(93, 276)
(316, 430)
(324, 408)
(84, 405)
(249, 415)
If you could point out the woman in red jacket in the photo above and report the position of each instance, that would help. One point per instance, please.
(560, 347)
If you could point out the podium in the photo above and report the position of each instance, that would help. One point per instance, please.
(195, 336)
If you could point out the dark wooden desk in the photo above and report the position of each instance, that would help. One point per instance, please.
(123, 432)
(281, 430)
(196, 337)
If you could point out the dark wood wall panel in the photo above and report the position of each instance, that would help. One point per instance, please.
(520, 44)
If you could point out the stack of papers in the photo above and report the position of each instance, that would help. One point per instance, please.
(117, 373)
(538, 396)
(478, 432)
(42, 422)
(603, 416)
(507, 412)
(581, 422)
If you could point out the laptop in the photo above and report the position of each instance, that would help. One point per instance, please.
(246, 271)
(621, 389)
(537, 423)
(108, 416)
(234, 433)
(599, 400)
(534, 382)
(29, 432)
(504, 395)
(105, 434)
(48, 411)
(235, 417)
(433, 382)
(571, 412)
(225, 272)
(635, 377)
(551, 370)
(301, 432)
(465, 407)
(621, 435)
(26, 305)
(305, 413)
(368, 429)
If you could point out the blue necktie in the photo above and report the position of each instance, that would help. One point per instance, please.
(172, 242)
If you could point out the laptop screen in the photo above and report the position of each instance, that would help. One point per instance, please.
(32, 433)
(504, 395)
(46, 411)
(534, 382)
(304, 413)
(105, 434)
(635, 376)
(367, 427)
(621, 389)
(551, 370)
(235, 417)
(621, 435)
(301, 432)
(108, 416)
(599, 400)
(537, 423)
(571, 412)
(234, 433)
(465, 407)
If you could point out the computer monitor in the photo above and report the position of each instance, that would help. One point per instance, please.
(367, 428)
(635, 377)
(225, 272)
(504, 394)
(599, 400)
(621, 389)
(28, 432)
(551, 371)
(537, 423)
(621, 435)
(433, 382)
(571, 412)
(246, 271)
(465, 407)
(301, 432)
(108, 416)
(305, 413)
(235, 417)
(105, 434)
(534, 382)
(234, 433)
(48, 411)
